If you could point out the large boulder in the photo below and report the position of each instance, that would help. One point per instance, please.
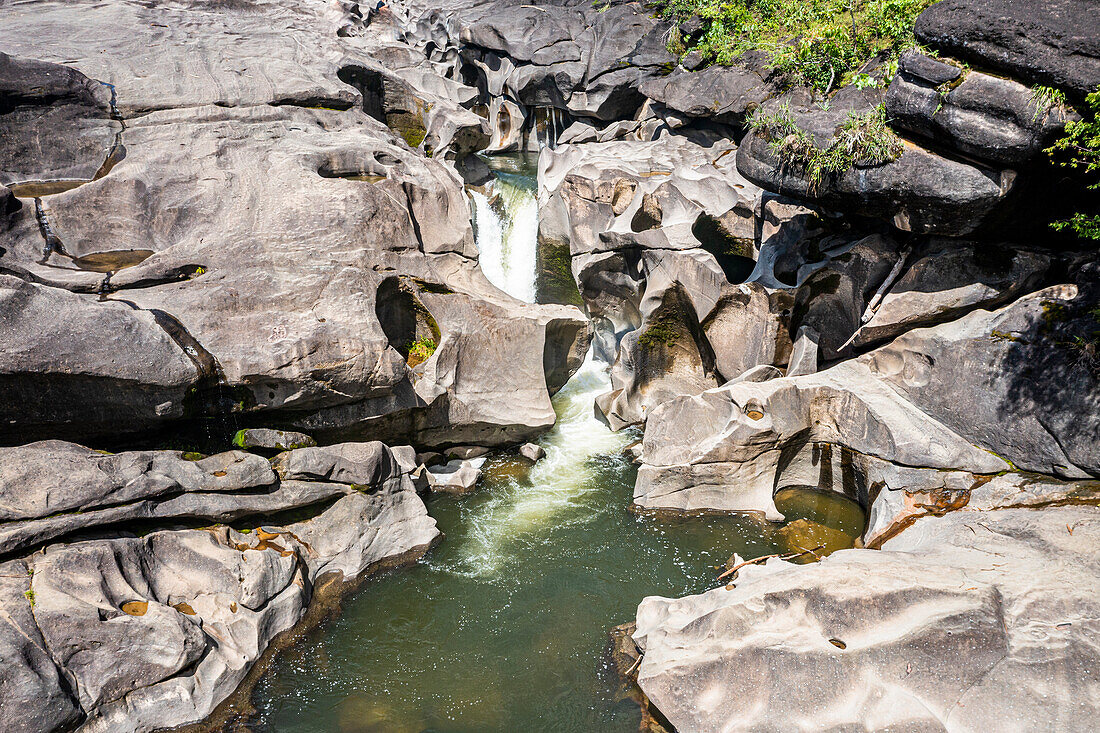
(961, 621)
(725, 94)
(916, 190)
(1055, 43)
(987, 117)
(631, 212)
(335, 326)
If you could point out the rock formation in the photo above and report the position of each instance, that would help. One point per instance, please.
(249, 222)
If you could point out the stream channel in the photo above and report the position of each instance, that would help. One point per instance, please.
(504, 625)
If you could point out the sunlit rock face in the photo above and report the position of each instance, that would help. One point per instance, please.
(242, 253)
(176, 618)
(728, 447)
(926, 634)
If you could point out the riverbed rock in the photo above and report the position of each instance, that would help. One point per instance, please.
(268, 439)
(348, 380)
(926, 634)
(186, 612)
(456, 476)
(55, 125)
(532, 452)
(77, 381)
(1055, 44)
(727, 447)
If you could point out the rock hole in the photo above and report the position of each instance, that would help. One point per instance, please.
(408, 325)
(719, 237)
(370, 85)
(135, 608)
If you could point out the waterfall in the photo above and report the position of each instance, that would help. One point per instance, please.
(506, 219)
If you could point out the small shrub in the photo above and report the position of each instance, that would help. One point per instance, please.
(863, 139)
(420, 350)
(1046, 99)
(1079, 149)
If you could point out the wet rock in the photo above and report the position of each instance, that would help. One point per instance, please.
(430, 458)
(918, 191)
(899, 506)
(532, 452)
(268, 439)
(603, 202)
(873, 635)
(1056, 44)
(667, 356)
(987, 117)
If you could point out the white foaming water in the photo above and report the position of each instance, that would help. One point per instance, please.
(507, 238)
(507, 222)
(557, 482)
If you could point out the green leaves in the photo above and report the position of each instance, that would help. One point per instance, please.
(864, 139)
(1078, 149)
(819, 43)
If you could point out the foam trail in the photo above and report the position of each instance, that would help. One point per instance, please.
(556, 482)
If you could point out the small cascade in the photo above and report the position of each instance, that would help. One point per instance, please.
(547, 125)
(556, 486)
(506, 223)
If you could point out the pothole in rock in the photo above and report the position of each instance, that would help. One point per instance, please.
(112, 260)
(135, 608)
(350, 174)
(719, 236)
(407, 323)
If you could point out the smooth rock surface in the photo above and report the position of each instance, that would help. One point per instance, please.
(926, 634)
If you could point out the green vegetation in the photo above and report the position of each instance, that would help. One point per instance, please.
(420, 350)
(1080, 150)
(1045, 99)
(818, 43)
(29, 594)
(863, 139)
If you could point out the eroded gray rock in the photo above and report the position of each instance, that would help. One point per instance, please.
(927, 634)
(154, 631)
(724, 448)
